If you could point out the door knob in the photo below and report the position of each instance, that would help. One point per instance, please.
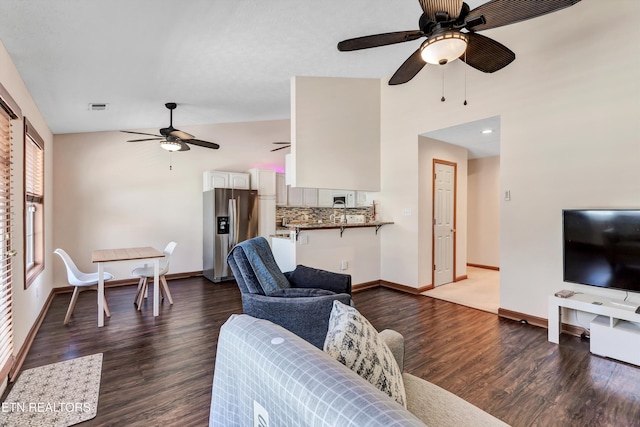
(453, 230)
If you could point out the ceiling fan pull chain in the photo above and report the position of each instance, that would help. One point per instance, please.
(443, 98)
(170, 161)
(465, 79)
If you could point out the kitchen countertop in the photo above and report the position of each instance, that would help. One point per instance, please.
(330, 225)
(280, 236)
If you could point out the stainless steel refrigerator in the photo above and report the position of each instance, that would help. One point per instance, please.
(230, 217)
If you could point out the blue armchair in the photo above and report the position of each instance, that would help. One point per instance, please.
(300, 301)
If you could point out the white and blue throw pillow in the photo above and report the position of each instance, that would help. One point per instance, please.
(355, 343)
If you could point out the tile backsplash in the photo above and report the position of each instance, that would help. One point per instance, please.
(314, 215)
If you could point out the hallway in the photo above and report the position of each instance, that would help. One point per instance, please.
(481, 290)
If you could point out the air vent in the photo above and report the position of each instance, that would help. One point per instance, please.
(98, 107)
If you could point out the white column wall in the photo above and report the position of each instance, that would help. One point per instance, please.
(335, 130)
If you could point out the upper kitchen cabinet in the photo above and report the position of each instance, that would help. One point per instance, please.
(263, 180)
(325, 198)
(310, 197)
(221, 179)
(303, 197)
(296, 196)
(281, 190)
(365, 198)
(335, 122)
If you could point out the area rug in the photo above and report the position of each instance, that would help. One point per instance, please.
(61, 394)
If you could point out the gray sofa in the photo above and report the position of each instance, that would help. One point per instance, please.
(267, 376)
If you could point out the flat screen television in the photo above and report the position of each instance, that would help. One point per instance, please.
(602, 248)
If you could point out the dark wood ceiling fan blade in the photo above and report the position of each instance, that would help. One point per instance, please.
(377, 40)
(497, 13)
(281, 148)
(141, 133)
(205, 144)
(178, 134)
(408, 69)
(433, 7)
(145, 139)
(287, 143)
(487, 55)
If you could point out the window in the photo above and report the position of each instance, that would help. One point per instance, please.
(8, 110)
(33, 203)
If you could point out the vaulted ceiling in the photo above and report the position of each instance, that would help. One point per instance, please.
(221, 61)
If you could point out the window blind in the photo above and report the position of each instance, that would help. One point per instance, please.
(33, 165)
(6, 253)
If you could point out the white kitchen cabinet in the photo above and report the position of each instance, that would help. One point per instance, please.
(221, 179)
(325, 198)
(310, 197)
(281, 190)
(364, 198)
(263, 180)
(296, 196)
(239, 181)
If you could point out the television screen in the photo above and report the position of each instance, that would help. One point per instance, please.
(602, 248)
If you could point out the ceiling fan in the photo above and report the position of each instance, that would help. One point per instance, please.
(286, 145)
(173, 139)
(450, 29)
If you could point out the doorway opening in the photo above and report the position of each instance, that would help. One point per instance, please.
(474, 226)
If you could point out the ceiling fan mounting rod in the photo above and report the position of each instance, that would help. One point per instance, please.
(171, 106)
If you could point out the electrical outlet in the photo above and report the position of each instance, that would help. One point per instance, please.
(406, 212)
(344, 265)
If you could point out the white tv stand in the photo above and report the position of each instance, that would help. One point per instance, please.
(612, 333)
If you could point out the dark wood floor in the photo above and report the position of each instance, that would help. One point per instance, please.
(158, 372)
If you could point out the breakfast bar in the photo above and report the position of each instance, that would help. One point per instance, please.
(297, 228)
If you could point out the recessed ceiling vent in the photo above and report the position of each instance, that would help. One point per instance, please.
(98, 107)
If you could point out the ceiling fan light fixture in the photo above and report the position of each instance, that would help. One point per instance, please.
(170, 145)
(444, 47)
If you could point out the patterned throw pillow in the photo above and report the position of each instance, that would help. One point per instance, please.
(354, 342)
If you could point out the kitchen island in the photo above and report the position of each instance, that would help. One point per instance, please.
(351, 248)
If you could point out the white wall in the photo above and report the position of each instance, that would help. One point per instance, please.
(335, 127)
(27, 303)
(569, 132)
(483, 223)
(109, 193)
(428, 151)
(360, 247)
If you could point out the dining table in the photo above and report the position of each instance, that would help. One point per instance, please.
(103, 256)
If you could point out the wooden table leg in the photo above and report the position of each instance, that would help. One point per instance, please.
(156, 287)
(100, 294)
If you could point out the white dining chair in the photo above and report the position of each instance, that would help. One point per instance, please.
(145, 273)
(81, 282)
